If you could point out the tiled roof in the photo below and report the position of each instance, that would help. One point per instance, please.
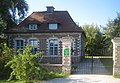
(66, 23)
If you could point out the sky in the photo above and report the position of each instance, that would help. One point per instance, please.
(82, 11)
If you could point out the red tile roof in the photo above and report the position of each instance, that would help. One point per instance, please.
(66, 23)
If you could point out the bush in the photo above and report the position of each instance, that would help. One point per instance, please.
(25, 66)
(6, 56)
(4, 71)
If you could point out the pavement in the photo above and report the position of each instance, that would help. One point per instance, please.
(85, 79)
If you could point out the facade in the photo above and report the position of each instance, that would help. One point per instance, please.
(44, 30)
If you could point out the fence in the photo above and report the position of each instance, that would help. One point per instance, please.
(100, 52)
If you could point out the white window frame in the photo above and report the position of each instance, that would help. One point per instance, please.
(53, 26)
(15, 43)
(33, 45)
(33, 26)
(53, 47)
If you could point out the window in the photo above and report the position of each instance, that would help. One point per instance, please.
(53, 47)
(32, 26)
(19, 44)
(53, 26)
(34, 44)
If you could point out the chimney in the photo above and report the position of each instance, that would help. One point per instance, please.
(50, 9)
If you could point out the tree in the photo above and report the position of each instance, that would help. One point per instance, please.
(94, 38)
(11, 11)
(112, 30)
(116, 27)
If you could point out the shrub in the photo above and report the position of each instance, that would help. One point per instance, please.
(5, 56)
(25, 66)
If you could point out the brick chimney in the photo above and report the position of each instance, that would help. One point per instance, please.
(50, 9)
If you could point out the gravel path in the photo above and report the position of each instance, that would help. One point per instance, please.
(85, 79)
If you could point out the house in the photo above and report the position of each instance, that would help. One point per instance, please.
(43, 30)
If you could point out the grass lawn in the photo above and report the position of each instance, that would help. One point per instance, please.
(117, 76)
(50, 75)
(13, 81)
(108, 63)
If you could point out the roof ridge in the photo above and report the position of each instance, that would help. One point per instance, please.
(46, 11)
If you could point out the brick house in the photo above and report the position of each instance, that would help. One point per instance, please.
(44, 30)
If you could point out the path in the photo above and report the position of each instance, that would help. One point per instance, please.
(85, 79)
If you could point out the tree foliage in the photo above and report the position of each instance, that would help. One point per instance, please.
(6, 55)
(113, 27)
(11, 11)
(94, 38)
(112, 30)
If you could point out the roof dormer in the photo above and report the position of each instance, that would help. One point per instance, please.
(33, 26)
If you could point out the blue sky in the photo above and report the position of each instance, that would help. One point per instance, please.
(82, 11)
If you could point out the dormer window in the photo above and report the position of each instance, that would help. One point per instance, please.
(32, 26)
(53, 26)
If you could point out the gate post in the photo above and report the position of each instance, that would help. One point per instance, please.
(116, 56)
(66, 55)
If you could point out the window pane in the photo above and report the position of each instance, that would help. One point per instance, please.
(55, 52)
(51, 44)
(53, 47)
(51, 52)
(19, 44)
(32, 26)
(53, 26)
(34, 44)
(34, 50)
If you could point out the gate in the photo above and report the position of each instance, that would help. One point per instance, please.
(99, 62)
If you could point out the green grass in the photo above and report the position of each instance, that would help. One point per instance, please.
(50, 75)
(117, 76)
(13, 81)
(16, 81)
(108, 63)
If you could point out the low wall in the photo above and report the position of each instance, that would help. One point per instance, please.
(51, 59)
(58, 59)
(54, 67)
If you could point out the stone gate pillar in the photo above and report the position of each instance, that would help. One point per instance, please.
(116, 56)
(66, 55)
